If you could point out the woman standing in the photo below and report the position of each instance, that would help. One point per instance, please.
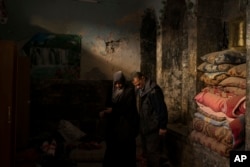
(122, 123)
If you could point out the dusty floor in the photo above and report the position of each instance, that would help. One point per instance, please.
(89, 165)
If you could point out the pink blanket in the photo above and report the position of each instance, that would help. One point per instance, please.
(209, 111)
(235, 106)
(238, 130)
(232, 106)
(211, 100)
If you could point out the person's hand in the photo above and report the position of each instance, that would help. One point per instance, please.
(162, 132)
(101, 114)
(106, 111)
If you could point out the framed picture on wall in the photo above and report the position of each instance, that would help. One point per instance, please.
(54, 56)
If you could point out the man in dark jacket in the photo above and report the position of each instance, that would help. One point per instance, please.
(153, 117)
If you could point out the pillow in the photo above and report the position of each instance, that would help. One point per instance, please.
(225, 57)
(211, 100)
(213, 78)
(207, 67)
(213, 75)
(235, 90)
(69, 132)
(238, 71)
(234, 81)
(219, 91)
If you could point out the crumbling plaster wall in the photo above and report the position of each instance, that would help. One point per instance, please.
(174, 38)
(110, 30)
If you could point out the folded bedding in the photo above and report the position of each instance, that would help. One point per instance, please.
(218, 90)
(232, 134)
(213, 78)
(207, 111)
(211, 100)
(232, 106)
(234, 90)
(238, 70)
(210, 143)
(211, 120)
(238, 130)
(221, 134)
(235, 106)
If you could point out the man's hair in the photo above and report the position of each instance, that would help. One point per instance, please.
(137, 75)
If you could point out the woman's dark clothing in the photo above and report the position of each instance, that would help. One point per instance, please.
(121, 130)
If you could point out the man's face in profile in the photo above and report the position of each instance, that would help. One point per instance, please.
(138, 82)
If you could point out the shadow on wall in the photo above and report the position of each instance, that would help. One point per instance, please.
(20, 33)
(95, 74)
(57, 56)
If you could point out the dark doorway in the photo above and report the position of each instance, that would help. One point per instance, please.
(148, 43)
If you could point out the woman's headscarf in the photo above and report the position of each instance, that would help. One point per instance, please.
(118, 77)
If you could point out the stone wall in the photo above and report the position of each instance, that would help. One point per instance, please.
(189, 31)
(174, 47)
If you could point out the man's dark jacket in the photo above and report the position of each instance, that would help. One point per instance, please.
(152, 108)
